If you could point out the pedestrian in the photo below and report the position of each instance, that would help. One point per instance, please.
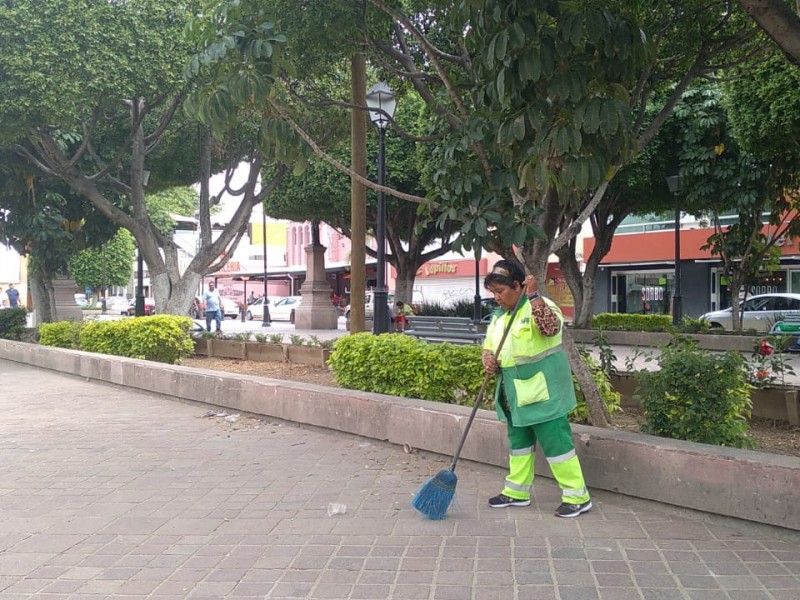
(534, 393)
(13, 296)
(251, 298)
(401, 313)
(213, 304)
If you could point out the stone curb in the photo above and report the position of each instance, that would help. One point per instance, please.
(739, 483)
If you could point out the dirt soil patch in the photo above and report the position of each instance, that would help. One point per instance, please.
(774, 437)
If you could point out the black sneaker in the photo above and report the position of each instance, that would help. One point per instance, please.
(501, 501)
(568, 511)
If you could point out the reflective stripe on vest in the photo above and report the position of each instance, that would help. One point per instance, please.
(537, 357)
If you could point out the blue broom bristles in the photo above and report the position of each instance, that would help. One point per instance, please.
(434, 497)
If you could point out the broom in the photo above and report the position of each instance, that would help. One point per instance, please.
(434, 497)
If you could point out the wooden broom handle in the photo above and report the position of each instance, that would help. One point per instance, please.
(486, 377)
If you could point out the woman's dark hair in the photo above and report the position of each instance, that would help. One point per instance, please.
(504, 273)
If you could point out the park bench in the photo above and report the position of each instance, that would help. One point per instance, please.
(457, 330)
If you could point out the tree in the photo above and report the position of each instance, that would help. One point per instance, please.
(109, 265)
(739, 155)
(96, 106)
(42, 218)
(321, 192)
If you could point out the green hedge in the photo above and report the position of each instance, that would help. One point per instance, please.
(12, 323)
(624, 322)
(63, 334)
(402, 365)
(161, 338)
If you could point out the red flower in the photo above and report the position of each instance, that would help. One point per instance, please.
(765, 348)
(762, 374)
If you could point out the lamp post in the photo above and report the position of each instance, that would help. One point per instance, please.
(476, 312)
(104, 286)
(139, 285)
(674, 183)
(139, 309)
(382, 104)
(265, 321)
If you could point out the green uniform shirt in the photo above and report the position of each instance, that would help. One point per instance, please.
(535, 378)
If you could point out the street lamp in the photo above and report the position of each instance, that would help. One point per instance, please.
(139, 310)
(139, 307)
(476, 312)
(382, 104)
(674, 183)
(265, 321)
(104, 286)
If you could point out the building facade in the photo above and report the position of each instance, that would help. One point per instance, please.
(638, 274)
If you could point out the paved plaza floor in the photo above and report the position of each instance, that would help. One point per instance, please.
(106, 493)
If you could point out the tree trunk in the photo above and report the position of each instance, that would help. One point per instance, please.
(358, 194)
(404, 285)
(180, 294)
(43, 295)
(535, 255)
(598, 414)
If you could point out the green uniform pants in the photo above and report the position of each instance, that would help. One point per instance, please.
(555, 440)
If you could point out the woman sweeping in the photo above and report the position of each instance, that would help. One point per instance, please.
(534, 391)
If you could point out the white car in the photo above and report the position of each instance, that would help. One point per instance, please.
(117, 304)
(283, 309)
(230, 308)
(255, 310)
(369, 306)
(759, 312)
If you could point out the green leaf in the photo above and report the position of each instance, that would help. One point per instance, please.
(501, 45)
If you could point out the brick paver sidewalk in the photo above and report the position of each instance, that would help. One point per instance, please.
(106, 493)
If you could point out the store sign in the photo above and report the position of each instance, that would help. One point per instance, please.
(232, 266)
(439, 269)
(762, 289)
(652, 293)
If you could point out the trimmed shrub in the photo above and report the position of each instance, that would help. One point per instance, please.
(161, 338)
(64, 334)
(12, 323)
(401, 365)
(653, 323)
(697, 396)
(107, 337)
(624, 322)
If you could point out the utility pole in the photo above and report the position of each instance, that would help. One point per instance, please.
(358, 194)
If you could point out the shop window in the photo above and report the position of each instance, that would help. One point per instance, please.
(648, 293)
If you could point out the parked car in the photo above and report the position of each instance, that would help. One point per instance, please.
(230, 307)
(256, 309)
(369, 306)
(82, 301)
(149, 307)
(117, 304)
(759, 312)
(284, 308)
(488, 308)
